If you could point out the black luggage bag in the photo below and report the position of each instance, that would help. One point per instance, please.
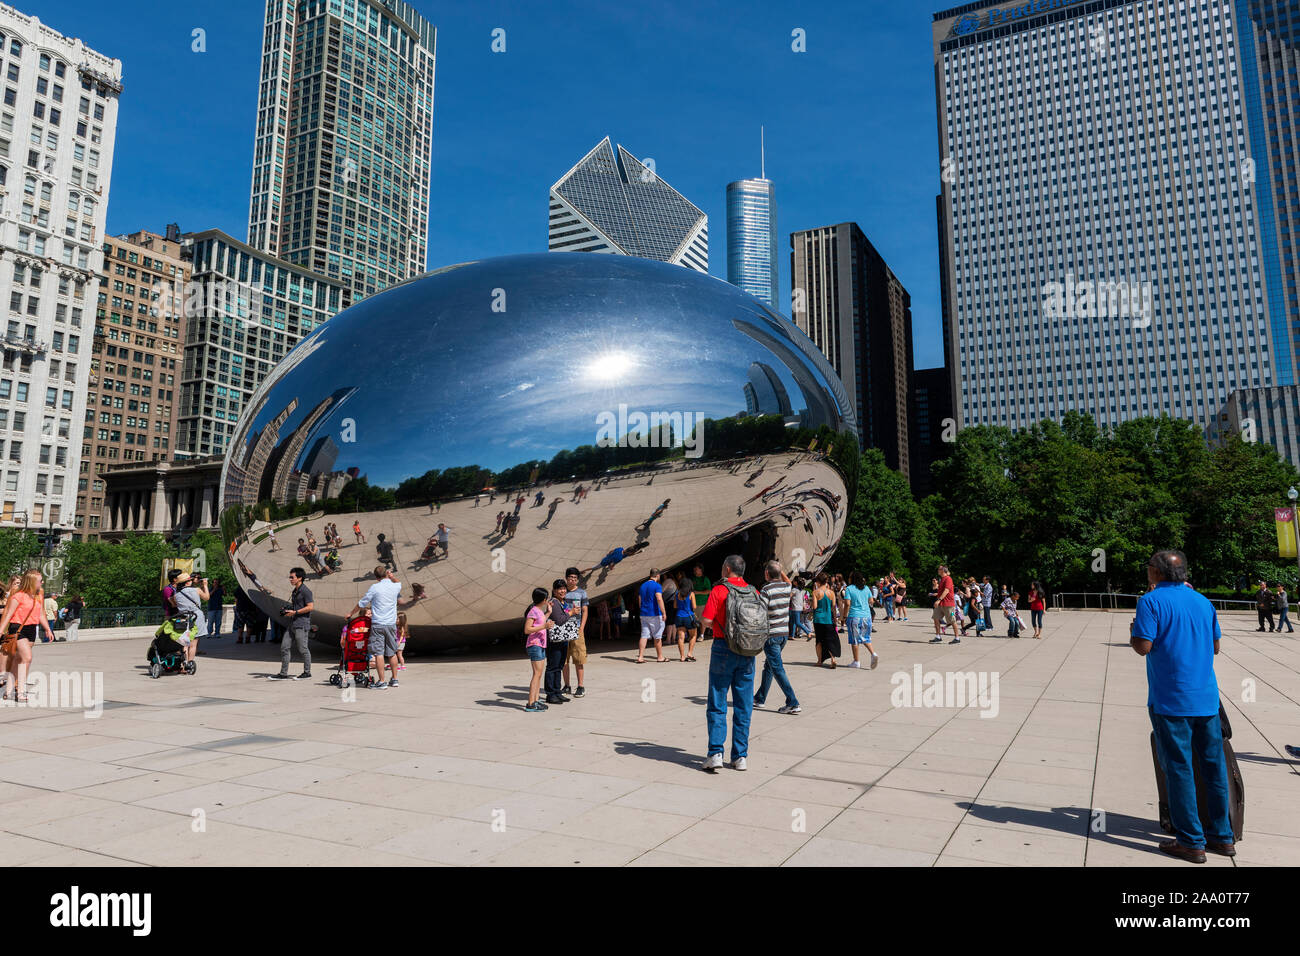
(1236, 787)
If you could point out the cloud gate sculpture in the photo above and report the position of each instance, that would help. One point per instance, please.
(490, 424)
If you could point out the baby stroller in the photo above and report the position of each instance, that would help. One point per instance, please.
(167, 649)
(354, 668)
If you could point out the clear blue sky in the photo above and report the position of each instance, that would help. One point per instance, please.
(851, 130)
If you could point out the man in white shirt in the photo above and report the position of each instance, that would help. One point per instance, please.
(382, 600)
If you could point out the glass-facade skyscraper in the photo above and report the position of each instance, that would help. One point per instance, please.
(751, 238)
(1107, 234)
(612, 202)
(344, 140)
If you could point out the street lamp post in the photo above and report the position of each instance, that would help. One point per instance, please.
(1293, 494)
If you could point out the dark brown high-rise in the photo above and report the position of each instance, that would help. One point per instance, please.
(850, 303)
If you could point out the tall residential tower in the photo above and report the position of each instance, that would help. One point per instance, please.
(344, 140)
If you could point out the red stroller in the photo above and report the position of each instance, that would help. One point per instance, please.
(355, 665)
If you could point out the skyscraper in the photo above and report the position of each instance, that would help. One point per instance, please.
(136, 359)
(1270, 56)
(930, 429)
(612, 202)
(58, 127)
(1107, 236)
(344, 140)
(246, 312)
(850, 303)
(751, 238)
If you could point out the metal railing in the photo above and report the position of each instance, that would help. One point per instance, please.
(121, 616)
(1116, 601)
(1101, 600)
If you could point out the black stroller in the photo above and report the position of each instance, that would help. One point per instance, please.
(166, 652)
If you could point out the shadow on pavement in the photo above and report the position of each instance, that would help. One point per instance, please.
(673, 755)
(1117, 828)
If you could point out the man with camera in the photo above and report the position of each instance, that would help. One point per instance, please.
(297, 615)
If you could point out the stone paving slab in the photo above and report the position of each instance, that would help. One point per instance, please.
(228, 768)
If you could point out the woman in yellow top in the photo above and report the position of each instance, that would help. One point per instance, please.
(24, 616)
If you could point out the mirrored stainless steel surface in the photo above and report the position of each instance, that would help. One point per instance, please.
(608, 402)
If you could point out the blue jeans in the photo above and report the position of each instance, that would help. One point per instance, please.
(1283, 619)
(889, 607)
(774, 668)
(734, 673)
(1179, 741)
(988, 617)
(214, 622)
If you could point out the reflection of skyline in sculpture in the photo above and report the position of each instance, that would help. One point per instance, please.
(820, 407)
(433, 422)
(283, 485)
(764, 392)
(260, 446)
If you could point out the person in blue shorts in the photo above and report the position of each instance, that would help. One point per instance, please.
(858, 598)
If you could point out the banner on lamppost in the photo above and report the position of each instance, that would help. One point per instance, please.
(1284, 519)
(180, 564)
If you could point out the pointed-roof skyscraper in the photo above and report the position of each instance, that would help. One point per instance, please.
(613, 202)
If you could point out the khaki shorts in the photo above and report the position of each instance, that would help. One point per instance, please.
(577, 654)
(943, 615)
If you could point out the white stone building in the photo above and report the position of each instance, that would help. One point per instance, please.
(58, 118)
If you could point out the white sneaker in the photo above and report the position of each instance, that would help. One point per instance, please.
(875, 659)
(712, 762)
(790, 710)
(855, 664)
(738, 764)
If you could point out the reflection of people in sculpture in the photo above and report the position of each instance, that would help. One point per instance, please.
(248, 573)
(500, 515)
(614, 557)
(308, 553)
(538, 499)
(765, 491)
(645, 525)
(384, 551)
(550, 512)
(749, 483)
(356, 530)
(440, 536)
(270, 533)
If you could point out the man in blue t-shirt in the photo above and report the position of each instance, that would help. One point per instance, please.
(1177, 631)
(652, 617)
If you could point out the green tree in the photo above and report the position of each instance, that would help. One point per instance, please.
(17, 548)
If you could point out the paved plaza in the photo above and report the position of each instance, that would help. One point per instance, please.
(229, 768)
